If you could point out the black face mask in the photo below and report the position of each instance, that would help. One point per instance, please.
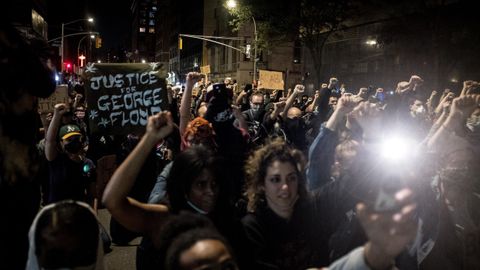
(74, 146)
(293, 124)
(258, 114)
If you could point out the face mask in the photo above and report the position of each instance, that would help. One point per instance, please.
(293, 124)
(74, 146)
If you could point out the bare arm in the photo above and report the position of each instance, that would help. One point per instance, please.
(186, 103)
(240, 97)
(299, 89)
(345, 105)
(51, 151)
(134, 215)
(461, 109)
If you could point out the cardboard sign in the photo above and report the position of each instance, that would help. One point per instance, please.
(46, 105)
(121, 96)
(271, 80)
(205, 69)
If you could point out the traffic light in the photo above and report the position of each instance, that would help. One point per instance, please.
(180, 43)
(98, 42)
(68, 66)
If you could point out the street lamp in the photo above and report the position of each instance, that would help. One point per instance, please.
(231, 4)
(78, 47)
(63, 34)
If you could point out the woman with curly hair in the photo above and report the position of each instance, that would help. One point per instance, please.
(284, 224)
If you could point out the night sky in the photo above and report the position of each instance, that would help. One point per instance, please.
(112, 19)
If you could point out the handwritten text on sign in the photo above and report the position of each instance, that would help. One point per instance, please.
(121, 97)
(46, 105)
(271, 79)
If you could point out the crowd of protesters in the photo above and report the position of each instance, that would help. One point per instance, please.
(234, 177)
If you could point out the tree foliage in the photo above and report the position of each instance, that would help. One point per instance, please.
(308, 21)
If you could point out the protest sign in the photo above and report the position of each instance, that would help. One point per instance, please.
(205, 69)
(270, 80)
(46, 105)
(121, 96)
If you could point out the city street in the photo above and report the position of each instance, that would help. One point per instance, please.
(121, 257)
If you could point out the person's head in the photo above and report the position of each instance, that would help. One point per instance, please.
(198, 249)
(228, 81)
(275, 176)
(65, 235)
(199, 131)
(71, 139)
(80, 112)
(345, 153)
(304, 98)
(202, 109)
(363, 93)
(18, 94)
(294, 113)
(417, 110)
(256, 101)
(332, 102)
(195, 181)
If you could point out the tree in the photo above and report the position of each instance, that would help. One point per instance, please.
(440, 36)
(309, 21)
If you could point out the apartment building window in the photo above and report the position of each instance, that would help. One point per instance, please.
(142, 30)
(151, 30)
(151, 22)
(151, 14)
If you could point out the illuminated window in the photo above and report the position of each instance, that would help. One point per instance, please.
(142, 29)
(151, 22)
(151, 30)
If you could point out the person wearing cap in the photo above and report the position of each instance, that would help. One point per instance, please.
(71, 173)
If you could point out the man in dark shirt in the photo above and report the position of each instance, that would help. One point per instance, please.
(71, 173)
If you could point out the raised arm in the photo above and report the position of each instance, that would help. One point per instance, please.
(186, 104)
(299, 90)
(134, 215)
(51, 150)
(445, 138)
(321, 152)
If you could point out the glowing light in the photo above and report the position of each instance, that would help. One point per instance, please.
(143, 61)
(231, 4)
(396, 149)
(371, 42)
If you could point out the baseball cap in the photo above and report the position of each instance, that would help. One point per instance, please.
(68, 131)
